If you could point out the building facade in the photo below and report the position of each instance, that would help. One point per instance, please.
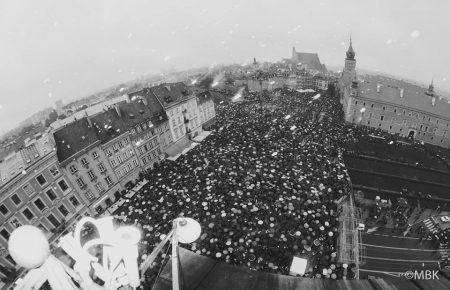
(86, 165)
(39, 194)
(395, 106)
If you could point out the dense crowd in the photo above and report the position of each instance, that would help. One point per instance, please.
(263, 186)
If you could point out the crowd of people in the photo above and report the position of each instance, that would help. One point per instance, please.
(263, 186)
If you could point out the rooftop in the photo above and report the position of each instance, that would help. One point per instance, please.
(311, 60)
(414, 97)
(17, 162)
(168, 94)
(107, 125)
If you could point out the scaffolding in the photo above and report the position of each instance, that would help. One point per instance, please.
(350, 248)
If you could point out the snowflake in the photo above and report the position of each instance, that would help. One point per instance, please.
(415, 34)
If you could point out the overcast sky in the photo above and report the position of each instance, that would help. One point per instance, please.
(53, 49)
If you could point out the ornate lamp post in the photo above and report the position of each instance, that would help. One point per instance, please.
(30, 249)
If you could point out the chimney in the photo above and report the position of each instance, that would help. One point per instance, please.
(401, 92)
(118, 110)
(127, 98)
(433, 101)
(378, 87)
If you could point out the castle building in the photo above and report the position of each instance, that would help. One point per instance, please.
(395, 106)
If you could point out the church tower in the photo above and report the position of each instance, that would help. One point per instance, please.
(349, 72)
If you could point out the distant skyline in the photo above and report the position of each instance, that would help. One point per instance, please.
(63, 50)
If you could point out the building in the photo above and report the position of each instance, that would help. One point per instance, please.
(181, 108)
(395, 106)
(308, 61)
(103, 154)
(206, 108)
(150, 130)
(83, 161)
(35, 191)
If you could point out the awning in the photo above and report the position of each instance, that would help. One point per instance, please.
(200, 137)
(178, 147)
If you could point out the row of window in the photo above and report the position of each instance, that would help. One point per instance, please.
(142, 127)
(119, 159)
(151, 156)
(118, 145)
(50, 194)
(149, 146)
(29, 215)
(410, 114)
(129, 167)
(73, 169)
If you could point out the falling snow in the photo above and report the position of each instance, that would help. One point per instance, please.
(415, 34)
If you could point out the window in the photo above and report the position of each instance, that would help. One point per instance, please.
(395, 110)
(384, 108)
(99, 187)
(133, 131)
(53, 220)
(120, 144)
(91, 175)
(63, 210)
(95, 155)
(54, 170)
(51, 194)
(28, 214)
(63, 185)
(41, 179)
(135, 163)
(39, 204)
(119, 159)
(390, 127)
(371, 106)
(126, 141)
(108, 180)
(101, 167)
(84, 162)
(113, 162)
(16, 199)
(15, 223)
(382, 118)
(4, 210)
(80, 182)
(89, 195)
(5, 234)
(73, 169)
(27, 189)
(74, 201)
(356, 102)
(108, 152)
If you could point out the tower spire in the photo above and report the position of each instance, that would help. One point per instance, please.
(350, 52)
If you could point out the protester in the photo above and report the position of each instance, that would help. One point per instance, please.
(263, 186)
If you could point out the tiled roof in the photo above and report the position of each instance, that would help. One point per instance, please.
(414, 97)
(109, 125)
(170, 94)
(106, 126)
(74, 137)
(203, 97)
